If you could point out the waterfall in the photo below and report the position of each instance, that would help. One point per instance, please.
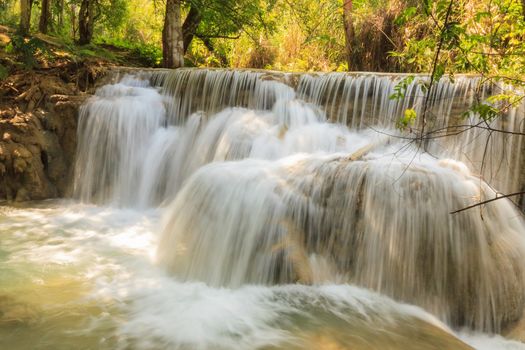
(362, 102)
(322, 219)
(275, 178)
(113, 128)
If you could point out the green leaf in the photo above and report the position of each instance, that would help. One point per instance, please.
(426, 7)
(405, 16)
(439, 71)
(401, 87)
(410, 115)
(485, 111)
(408, 119)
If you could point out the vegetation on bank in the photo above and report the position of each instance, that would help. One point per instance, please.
(19, 52)
(303, 35)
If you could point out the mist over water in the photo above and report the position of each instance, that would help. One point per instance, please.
(249, 210)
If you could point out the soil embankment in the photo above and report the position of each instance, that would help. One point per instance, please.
(39, 100)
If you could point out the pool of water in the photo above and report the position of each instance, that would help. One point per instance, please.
(85, 277)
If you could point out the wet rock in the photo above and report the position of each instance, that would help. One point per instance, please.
(278, 77)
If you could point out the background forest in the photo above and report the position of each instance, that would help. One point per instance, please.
(482, 36)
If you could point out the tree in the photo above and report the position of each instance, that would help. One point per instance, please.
(214, 20)
(349, 31)
(74, 22)
(86, 21)
(45, 15)
(191, 23)
(60, 6)
(172, 38)
(25, 16)
(106, 14)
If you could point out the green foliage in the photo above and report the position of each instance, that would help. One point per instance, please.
(478, 36)
(149, 55)
(110, 15)
(405, 16)
(113, 13)
(93, 51)
(401, 88)
(303, 35)
(495, 105)
(484, 37)
(27, 50)
(408, 119)
(228, 17)
(483, 110)
(7, 15)
(144, 54)
(439, 71)
(225, 23)
(506, 99)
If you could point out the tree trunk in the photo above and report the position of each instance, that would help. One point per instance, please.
(191, 23)
(523, 8)
(86, 21)
(45, 15)
(61, 14)
(25, 16)
(383, 62)
(172, 39)
(349, 32)
(74, 27)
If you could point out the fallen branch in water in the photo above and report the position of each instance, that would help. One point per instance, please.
(487, 201)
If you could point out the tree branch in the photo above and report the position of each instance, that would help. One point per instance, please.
(488, 201)
(434, 67)
(216, 36)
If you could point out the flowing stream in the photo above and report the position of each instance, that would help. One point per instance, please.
(219, 209)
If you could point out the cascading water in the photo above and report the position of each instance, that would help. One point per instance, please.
(379, 224)
(281, 197)
(114, 135)
(362, 102)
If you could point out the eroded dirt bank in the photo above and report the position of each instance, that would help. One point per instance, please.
(38, 119)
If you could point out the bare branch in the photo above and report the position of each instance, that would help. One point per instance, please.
(488, 201)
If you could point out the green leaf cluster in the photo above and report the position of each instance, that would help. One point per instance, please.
(408, 119)
(27, 50)
(479, 36)
(401, 88)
